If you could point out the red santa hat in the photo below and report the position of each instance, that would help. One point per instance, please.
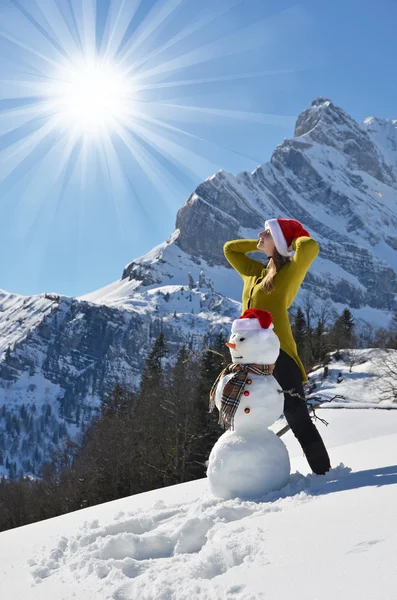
(253, 319)
(284, 231)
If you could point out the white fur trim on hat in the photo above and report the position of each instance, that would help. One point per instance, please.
(278, 237)
(248, 325)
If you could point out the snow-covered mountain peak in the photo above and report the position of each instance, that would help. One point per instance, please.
(324, 116)
(382, 122)
(321, 109)
(327, 125)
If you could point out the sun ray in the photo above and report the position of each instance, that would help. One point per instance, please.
(88, 21)
(75, 24)
(161, 179)
(17, 117)
(18, 88)
(251, 37)
(20, 150)
(119, 187)
(42, 30)
(217, 79)
(264, 118)
(191, 162)
(30, 199)
(155, 18)
(117, 24)
(184, 33)
(30, 49)
(162, 124)
(53, 17)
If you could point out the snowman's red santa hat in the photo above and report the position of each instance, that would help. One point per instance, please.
(253, 319)
(284, 231)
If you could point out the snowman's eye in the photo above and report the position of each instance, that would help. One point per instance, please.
(242, 339)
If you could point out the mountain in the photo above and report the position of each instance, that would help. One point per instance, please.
(60, 355)
(319, 537)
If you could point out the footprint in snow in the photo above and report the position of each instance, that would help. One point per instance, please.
(363, 546)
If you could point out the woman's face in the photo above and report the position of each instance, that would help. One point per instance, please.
(266, 243)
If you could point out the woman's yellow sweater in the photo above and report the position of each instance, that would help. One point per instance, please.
(286, 285)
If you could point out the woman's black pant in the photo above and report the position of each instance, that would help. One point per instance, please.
(288, 375)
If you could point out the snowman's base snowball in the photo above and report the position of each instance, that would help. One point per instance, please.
(247, 468)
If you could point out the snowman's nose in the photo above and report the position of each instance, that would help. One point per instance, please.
(230, 345)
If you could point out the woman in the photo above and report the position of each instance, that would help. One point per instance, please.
(273, 288)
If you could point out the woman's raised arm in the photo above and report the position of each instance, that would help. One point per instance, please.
(235, 253)
(306, 250)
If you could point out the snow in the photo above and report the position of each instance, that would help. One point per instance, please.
(360, 386)
(19, 314)
(333, 271)
(248, 466)
(169, 265)
(386, 253)
(384, 133)
(320, 537)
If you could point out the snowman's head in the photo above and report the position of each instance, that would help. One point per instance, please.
(252, 339)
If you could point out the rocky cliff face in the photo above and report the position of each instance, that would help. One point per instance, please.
(59, 356)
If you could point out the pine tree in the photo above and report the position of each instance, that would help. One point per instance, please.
(320, 341)
(149, 417)
(392, 342)
(181, 418)
(303, 339)
(190, 280)
(105, 468)
(342, 334)
(12, 471)
(211, 363)
(119, 403)
(299, 331)
(348, 322)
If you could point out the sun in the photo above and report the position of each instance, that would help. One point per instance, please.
(117, 97)
(89, 98)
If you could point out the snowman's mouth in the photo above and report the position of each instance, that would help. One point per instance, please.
(238, 357)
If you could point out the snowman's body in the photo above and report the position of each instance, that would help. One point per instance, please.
(249, 460)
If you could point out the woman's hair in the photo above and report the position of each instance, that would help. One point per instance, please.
(276, 262)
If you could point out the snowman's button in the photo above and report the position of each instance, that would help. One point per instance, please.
(247, 410)
(249, 381)
(246, 393)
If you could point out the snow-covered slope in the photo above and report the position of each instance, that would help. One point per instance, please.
(320, 537)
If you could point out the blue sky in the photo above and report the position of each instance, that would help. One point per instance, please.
(112, 112)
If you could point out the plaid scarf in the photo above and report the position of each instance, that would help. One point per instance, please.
(233, 389)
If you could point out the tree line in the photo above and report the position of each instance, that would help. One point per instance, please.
(157, 436)
(319, 330)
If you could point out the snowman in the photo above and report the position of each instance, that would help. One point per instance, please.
(248, 460)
